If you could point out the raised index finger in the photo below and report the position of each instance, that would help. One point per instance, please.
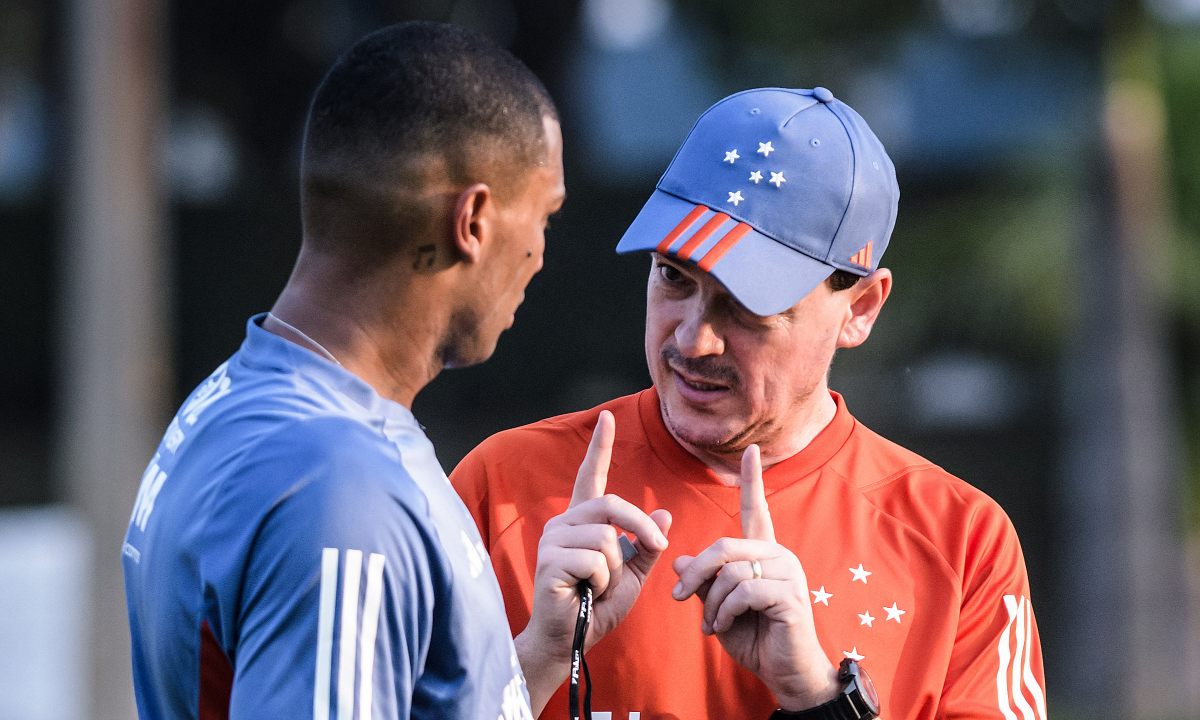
(593, 473)
(756, 516)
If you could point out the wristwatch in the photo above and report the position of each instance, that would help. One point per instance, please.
(856, 701)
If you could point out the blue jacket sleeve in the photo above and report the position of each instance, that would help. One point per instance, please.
(336, 607)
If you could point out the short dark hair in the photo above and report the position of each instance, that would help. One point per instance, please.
(396, 103)
(842, 280)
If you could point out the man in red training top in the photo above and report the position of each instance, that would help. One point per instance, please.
(840, 554)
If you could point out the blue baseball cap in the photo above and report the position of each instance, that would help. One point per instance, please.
(772, 191)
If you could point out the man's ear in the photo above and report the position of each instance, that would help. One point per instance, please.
(867, 297)
(472, 221)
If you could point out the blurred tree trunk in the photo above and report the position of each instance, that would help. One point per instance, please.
(1126, 604)
(115, 359)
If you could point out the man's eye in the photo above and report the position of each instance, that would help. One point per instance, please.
(670, 274)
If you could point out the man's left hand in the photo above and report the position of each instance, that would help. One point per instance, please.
(764, 623)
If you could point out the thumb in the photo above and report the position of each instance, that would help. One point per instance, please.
(646, 556)
(593, 473)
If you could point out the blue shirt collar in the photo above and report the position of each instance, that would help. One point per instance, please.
(265, 350)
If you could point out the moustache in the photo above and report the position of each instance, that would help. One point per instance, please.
(707, 368)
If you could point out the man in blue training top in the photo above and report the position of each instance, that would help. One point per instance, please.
(295, 550)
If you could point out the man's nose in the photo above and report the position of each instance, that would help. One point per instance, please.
(696, 336)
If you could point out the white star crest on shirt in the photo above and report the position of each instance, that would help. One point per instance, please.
(731, 156)
(865, 619)
(853, 654)
(735, 198)
(820, 596)
(755, 176)
(766, 149)
(894, 613)
(860, 574)
(777, 179)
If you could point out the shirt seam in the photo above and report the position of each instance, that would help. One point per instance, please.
(892, 478)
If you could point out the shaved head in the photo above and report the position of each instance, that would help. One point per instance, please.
(409, 109)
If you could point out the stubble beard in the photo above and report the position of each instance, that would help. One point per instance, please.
(723, 444)
(734, 441)
(710, 368)
(460, 344)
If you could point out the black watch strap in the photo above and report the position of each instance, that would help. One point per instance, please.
(839, 708)
(856, 701)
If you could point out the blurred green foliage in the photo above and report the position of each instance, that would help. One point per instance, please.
(1179, 54)
(1179, 63)
(985, 266)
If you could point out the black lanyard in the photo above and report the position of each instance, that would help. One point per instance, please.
(578, 662)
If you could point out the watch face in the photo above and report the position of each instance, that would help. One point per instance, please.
(868, 689)
(851, 672)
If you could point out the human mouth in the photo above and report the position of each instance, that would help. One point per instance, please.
(512, 317)
(696, 388)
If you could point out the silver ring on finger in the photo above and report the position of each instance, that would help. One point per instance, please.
(756, 569)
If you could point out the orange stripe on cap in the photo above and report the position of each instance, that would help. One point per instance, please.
(863, 257)
(701, 235)
(723, 246)
(680, 229)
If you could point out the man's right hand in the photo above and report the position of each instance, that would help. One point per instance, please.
(762, 616)
(582, 544)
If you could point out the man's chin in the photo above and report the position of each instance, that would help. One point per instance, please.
(703, 428)
(466, 354)
(469, 340)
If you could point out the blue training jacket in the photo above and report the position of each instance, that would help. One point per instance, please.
(296, 551)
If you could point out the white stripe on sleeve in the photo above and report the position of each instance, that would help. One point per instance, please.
(1002, 647)
(1018, 661)
(370, 625)
(328, 597)
(345, 686)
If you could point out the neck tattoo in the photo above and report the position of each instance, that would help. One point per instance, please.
(313, 343)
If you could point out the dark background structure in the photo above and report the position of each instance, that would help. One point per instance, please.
(1043, 340)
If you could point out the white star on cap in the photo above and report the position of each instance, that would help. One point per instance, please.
(731, 156)
(756, 176)
(860, 574)
(853, 654)
(777, 178)
(820, 596)
(735, 198)
(894, 613)
(865, 619)
(766, 149)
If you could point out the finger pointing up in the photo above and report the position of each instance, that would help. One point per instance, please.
(593, 473)
(756, 516)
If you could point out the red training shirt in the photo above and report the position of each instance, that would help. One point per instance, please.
(909, 568)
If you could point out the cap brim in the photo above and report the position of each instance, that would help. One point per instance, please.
(765, 276)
